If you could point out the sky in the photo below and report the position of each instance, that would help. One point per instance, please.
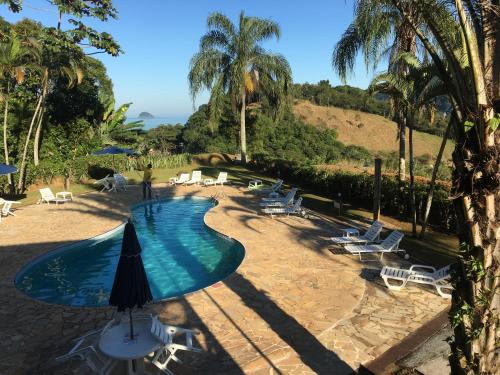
(159, 37)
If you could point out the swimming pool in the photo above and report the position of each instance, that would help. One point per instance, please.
(180, 254)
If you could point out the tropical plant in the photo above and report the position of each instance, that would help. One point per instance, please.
(378, 30)
(14, 58)
(462, 39)
(113, 128)
(231, 62)
(415, 89)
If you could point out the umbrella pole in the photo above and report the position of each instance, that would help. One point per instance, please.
(131, 324)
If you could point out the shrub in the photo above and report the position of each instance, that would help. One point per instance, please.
(358, 189)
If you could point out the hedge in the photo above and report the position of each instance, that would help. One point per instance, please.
(358, 188)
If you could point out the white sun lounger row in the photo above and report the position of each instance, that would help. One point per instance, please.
(195, 179)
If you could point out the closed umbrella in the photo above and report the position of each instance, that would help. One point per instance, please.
(7, 169)
(130, 287)
(114, 150)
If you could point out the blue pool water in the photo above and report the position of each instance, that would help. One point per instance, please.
(180, 254)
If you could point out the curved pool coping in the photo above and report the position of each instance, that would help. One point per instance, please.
(101, 237)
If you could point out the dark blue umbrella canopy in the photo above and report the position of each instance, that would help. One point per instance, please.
(7, 169)
(113, 150)
(130, 287)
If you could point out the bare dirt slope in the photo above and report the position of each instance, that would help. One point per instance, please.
(376, 133)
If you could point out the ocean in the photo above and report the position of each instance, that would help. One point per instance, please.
(150, 123)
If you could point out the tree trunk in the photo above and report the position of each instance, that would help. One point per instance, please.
(5, 142)
(412, 182)
(20, 182)
(476, 302)
(243, 135)
(38, 135)
(428, 202)
(402, 150)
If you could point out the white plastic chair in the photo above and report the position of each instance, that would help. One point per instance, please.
(195, 178)
(87, 350)
(183, 178)
(7, 207)
(389, 245)
(120, 183)
(420, 274)
(105, 182)
(371, 235)
(221, 180)
(280, 202)
(166, 334)
(274, 188)
(289, 210)
(49, 197)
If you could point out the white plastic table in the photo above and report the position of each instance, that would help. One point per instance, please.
(348, 232)
(254, 184)
(172, 180)
(116, 343)
(65, 195)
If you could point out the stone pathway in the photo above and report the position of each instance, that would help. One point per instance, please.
(292, 307)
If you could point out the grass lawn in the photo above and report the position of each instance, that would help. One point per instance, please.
(437, 248)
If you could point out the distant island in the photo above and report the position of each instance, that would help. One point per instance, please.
(145, 115)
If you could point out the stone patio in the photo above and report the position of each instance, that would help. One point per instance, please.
(292, 307)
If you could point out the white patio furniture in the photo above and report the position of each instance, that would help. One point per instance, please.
(389, 245)
(105, 182)
(221, 180)
(254, 184)
(119, 183)
(172, 339)
(195, 178)
(420, 274)
(280, 202)
(274, 188)
(6, 209)
(351, 235)
(49, 197)
(115, 342)
(182, 179)
(86, 349)
(295, 209)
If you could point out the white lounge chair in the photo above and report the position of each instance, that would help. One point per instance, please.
(389, 245)
(419, 274)
(86, 349)
(169, 337)
(6, 209)
(119, 182)
(182, 179)
(295, 209)
(370, 235)
(105, 182)
(221, 180)
(274, 188)
(280, 202)
(195, 178)
(49, 197)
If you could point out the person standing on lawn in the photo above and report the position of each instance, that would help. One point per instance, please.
(146, 181)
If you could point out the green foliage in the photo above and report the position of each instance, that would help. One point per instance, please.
(164, 139)
(113, 128)
(358, 189)
(347, 97)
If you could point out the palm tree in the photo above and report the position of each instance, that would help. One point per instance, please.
(415, 90)
(232, 62)
(14, 56)
(462, 39)
(113, 128)
(378, 30)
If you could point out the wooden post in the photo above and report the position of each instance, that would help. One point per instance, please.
(377, 187)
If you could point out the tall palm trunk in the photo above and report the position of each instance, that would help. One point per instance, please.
(38, 133)
(432, 184)
(5, 142)
(402, 150)
(412, 181)
(243, 134)
(22, 169)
